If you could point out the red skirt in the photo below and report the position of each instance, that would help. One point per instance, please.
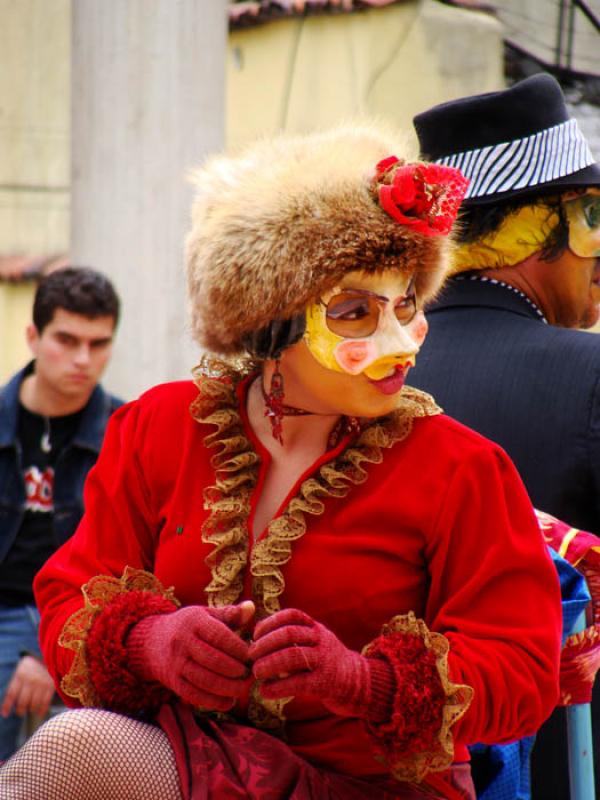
(228, 760)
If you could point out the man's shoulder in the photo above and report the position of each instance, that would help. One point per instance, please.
(13, 382)
(580, 339)
(524, 337)
(9, 398)
(573, 349)
(111, 401)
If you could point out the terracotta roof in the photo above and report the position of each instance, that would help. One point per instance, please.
(20, 268)
(246, 14)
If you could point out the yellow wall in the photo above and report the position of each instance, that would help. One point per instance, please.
(34, 126)
(34, 151)
(302, 73)
(15, 313)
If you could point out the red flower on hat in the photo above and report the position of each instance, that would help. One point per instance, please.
(425, 197)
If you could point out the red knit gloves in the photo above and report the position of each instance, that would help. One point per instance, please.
(292, 654)
(195, 652)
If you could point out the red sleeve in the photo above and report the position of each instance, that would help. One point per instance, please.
(495, 595)
(119, 528)
(483, 664)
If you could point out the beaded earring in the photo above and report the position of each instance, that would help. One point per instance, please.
(275, 408)
(274, 403)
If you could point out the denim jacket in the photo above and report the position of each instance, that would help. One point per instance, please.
(71, 469)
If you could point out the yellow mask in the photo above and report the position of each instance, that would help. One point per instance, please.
(390, 345)
(521, 234)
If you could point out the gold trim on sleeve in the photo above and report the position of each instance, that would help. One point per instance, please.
(98, 592)
(415, 766)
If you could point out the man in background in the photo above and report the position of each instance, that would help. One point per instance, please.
(52, 419)
(503, 354)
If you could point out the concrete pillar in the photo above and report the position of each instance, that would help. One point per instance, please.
(147, 106)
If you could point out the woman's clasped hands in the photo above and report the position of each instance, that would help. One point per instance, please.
(199, 653)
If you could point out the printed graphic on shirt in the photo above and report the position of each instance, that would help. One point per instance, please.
(39, 489)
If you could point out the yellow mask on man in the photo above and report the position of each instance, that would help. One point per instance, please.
(521, 235)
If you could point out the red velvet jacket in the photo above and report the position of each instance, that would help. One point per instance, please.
(419, 514)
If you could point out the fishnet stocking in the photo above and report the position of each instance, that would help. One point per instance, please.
(90, 754)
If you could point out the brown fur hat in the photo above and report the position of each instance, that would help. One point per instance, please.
(281, 222)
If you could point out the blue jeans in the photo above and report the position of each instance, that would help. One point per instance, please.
(18, 632)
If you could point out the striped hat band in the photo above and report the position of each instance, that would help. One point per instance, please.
(522, 163)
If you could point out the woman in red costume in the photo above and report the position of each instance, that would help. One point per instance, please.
(295, 577)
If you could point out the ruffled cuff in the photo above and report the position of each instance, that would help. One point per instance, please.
(99, 675)
(416, 738)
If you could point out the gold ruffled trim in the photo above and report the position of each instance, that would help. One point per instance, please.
(236, 471)
(267, 714)
(98, 593)
(458, 699)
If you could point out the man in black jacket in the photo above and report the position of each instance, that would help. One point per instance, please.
(503, 354)
(53, 414)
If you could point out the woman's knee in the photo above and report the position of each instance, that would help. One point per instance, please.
(90, 753)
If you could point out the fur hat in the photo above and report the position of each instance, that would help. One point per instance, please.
(280, 223)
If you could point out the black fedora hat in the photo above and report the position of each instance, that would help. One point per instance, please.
(517, 141)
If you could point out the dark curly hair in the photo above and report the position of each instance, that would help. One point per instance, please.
(80, 290)
(478, 221)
